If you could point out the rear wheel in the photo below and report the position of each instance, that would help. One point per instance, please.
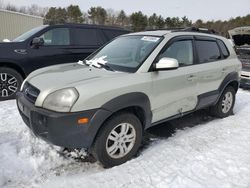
(224, 107)
(118, 140)
(10, 83)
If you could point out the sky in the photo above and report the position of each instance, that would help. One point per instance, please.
(193, 9)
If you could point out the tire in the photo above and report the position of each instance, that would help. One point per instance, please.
(10, 83)
(131, 126)
(225, 104)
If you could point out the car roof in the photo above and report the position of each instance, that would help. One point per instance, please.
(160, 33)
(89, 26)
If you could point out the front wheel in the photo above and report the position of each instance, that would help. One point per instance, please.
(118, 140)
(224, 106)
(10, 83)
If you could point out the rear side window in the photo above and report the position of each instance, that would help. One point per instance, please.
(208, 51)
(113, 33)
(57, 36)
(87, 37)
(223, 48)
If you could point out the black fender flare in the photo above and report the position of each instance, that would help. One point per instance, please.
(231, 77)
(134, 99)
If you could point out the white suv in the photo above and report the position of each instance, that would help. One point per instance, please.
(139, 80)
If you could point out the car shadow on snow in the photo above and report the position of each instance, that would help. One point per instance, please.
(168, 129)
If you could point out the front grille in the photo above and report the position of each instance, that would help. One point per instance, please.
(30, 92)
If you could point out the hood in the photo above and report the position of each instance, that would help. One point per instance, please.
(67, 75)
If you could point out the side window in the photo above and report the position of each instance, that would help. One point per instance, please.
(208, 51)
(57, 36)
(223, 48)
(86, 37)
(180, 50)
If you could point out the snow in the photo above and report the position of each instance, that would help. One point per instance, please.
(214, 153)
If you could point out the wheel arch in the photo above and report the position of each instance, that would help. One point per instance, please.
(137, 103)
(13, 66)
(232, 79)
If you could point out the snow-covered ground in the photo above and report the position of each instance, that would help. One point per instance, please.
(211, 154)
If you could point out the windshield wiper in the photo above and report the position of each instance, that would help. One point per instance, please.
(106, 66)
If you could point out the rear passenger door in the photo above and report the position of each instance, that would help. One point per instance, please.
(212, 64)
(85, 41)
(175, 91)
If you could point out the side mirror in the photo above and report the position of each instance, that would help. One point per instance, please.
(167, 64)
(36, 42)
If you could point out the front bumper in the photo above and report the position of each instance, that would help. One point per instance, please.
(61, 129)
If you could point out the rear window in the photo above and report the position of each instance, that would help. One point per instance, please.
(223, 48)
(208, 51)
(87, 37)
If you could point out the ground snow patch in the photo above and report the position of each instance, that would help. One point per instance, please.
(214, 154)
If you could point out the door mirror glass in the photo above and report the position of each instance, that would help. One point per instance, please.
(36, 42)
(166, 63)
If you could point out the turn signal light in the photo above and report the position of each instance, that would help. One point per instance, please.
(83, 121)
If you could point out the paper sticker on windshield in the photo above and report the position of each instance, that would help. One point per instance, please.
(150, 39)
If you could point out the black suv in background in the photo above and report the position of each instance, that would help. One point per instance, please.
(48, 45)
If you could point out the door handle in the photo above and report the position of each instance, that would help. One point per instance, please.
(191, 78)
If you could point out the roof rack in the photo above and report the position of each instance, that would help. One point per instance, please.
(187, 29)
(195, 29)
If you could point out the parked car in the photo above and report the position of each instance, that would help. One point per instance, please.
(48, 45)
(241, 38)
(137, 81)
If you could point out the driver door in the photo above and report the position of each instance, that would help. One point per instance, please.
(55, 50)
(175, 91)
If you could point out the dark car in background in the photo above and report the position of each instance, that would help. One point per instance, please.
(48, 45)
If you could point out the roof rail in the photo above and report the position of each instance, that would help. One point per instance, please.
(195, 29)
(187, 29)
(167, 29)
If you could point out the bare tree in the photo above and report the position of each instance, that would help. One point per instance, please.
(111, 17)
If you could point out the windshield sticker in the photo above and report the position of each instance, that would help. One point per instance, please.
(150, 39)
(97, 62)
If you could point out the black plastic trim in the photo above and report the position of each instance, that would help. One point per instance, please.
(61, 129)
(207, 99)
(135, 99)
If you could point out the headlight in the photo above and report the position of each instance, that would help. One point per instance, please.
(61, 100)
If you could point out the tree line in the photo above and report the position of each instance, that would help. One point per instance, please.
(136, 21)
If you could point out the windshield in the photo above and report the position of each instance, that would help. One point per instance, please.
(125, 53)
(29, 33)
